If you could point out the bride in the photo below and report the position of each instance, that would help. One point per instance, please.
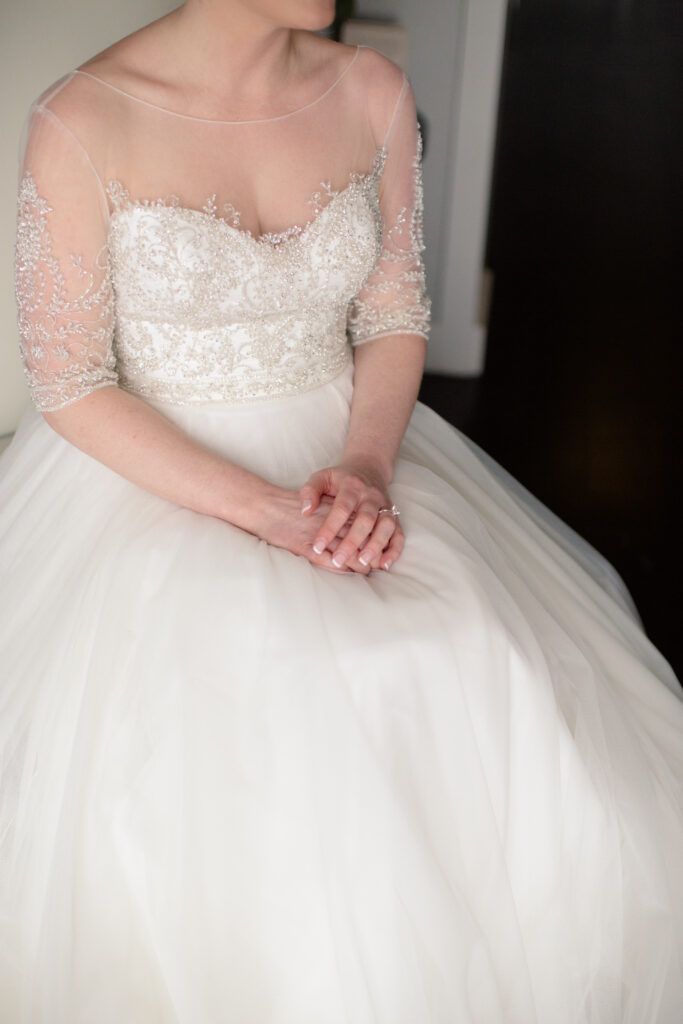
(310, 712)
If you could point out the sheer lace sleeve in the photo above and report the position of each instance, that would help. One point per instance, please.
(393, 299)
(62, 279)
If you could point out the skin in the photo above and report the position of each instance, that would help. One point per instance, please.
(255, 58)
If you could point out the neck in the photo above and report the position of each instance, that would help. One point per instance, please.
(223, 45)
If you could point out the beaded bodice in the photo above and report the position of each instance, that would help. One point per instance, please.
(205, 311)
(174, 298)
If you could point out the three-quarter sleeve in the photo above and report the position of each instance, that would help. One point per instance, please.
(62, 278)
(393, 299)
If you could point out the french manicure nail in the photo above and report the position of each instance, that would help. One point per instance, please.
(338, 561)
(306, 506)
(363, 559)
(319, 547)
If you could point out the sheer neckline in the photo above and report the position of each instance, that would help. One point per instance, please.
(121, 200)
(208, 120)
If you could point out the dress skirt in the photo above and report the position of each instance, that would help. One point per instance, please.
(240, 789)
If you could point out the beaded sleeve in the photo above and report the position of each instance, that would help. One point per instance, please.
(63, 283)
(393, 299)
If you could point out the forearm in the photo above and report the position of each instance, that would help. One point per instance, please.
(138, 442)
(387, 375)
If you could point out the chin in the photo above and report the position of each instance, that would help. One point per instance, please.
(307, 14)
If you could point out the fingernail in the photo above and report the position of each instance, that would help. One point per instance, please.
(319, 547)
(306, 506)
(363, 559)
(338, 561)
(388, 564)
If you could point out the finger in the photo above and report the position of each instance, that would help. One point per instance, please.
(386, 558)
(326, 557)
(324, 561)
(364, 524)
(333, 545)
(393, 549)
(342, 510)
(353, 565)
(379, 539)
(312, 491)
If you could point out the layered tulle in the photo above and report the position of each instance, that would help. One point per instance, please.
(236, 787)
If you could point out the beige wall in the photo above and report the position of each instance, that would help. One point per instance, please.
(40, 40)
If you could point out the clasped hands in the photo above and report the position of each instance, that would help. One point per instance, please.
(333, 521)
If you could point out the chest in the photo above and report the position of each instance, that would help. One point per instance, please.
(170, 261)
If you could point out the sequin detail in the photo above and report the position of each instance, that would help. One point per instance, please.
(120, 199)
(184, 306)
(65, 328)
(207, 312)
(394, 298)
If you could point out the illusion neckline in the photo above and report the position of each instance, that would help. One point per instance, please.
(210, 120)
(120, 196)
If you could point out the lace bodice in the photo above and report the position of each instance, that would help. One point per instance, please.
(166, 292)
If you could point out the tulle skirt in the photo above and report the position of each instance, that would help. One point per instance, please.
(239, 789)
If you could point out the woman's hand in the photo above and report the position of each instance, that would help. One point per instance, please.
(282, 525)
(359, 491)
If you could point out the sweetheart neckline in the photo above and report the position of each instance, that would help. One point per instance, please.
(120, 197)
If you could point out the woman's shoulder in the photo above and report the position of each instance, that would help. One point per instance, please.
(368, 74)
(80, 103)
(77, 100)
(324, 61)
(73, 117)
(136, 65)
(65, 93)
(72, 103)
(382, 75)
(374, 75)
(374, 82)
(382, 84)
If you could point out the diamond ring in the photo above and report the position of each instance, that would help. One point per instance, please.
(393, 511)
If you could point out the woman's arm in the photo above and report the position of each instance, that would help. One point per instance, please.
(135, 440)
(388, 326)
(66, 310)
(387, 375)
(132, 438)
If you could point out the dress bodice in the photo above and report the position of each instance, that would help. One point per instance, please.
(174, 298)
(205, 311)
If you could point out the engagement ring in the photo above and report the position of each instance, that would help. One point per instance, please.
(393, 511)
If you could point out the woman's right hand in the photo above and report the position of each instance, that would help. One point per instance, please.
(282, 525)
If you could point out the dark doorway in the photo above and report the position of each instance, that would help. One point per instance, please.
(581, 395)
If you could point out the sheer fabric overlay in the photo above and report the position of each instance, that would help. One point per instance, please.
(115, 191)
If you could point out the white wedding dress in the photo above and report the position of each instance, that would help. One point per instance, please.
(239, 789)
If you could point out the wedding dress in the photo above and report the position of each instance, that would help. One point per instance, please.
(240, 789)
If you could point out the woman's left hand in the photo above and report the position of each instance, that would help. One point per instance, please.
(359, 492)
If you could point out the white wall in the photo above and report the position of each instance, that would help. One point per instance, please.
(455, 61)
(40, 40)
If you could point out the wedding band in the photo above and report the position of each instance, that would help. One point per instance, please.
(393, 511)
